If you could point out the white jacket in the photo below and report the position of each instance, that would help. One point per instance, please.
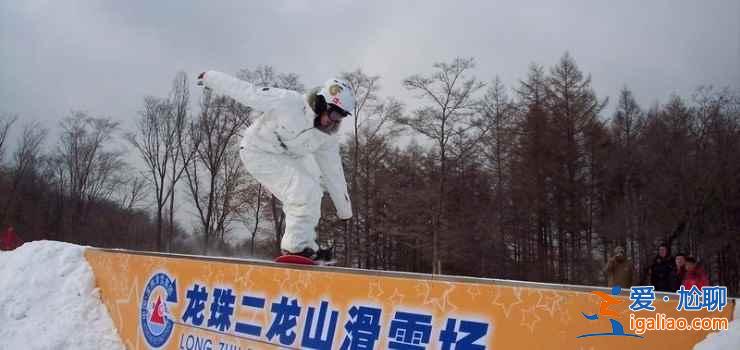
(287, 127)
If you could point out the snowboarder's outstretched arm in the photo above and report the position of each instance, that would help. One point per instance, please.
(330, 164)
(259, 98)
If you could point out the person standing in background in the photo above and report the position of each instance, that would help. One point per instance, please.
(10, 240)
(619, 269)
(661, 270)
(679, 272)
(695, 275)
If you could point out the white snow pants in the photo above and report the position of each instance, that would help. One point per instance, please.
(299, 190)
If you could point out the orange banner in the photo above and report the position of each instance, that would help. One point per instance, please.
(161, 301)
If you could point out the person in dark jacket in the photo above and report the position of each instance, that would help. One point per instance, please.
(661, 270)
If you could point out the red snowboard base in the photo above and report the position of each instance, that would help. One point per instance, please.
(294, 259)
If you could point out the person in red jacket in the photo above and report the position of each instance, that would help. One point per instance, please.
(9, 240)
(695, 275)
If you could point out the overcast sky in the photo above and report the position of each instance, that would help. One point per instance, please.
(104, 56)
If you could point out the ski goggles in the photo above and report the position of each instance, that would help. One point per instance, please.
(336, 114)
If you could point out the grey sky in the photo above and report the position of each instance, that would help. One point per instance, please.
(104, 56)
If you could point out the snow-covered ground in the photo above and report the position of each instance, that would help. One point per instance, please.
(724, 340)
(48, 300)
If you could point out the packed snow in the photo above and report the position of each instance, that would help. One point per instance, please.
(48, 300)
(724, 340)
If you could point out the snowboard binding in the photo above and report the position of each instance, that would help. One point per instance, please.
(324, 256)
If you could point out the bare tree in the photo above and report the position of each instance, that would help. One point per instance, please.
(155, 140)
(27, 158)
(177, 125)
(6, 122)
(498, 113)
(574, 107)
(250, 212)
(449, 114)
(233, 183)
(626, 128)
(133, 191)
(365, 88)
(158, 136)
(88, 170)
(214, 175)
(265, 75)
(531, 172)
(377, 134)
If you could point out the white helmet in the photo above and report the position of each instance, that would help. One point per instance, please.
(337, 92)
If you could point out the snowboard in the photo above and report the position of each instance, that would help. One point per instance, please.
(295, 259)
(324, 257)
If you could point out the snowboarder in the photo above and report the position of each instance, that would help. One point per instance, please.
(277, 147)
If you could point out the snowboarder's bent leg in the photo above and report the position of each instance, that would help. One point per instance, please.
(299, 191)
(302, 206)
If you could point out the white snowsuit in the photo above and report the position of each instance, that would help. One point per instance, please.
(274, 150)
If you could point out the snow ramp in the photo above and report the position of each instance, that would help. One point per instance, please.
(167, 301)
